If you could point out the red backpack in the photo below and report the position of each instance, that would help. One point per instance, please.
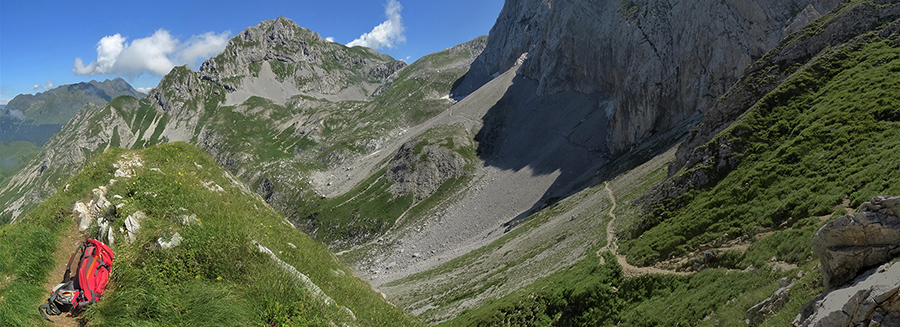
(94, 260)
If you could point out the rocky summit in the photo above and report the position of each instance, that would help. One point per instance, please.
(279, 54)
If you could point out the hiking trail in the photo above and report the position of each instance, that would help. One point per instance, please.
(67, 243)
(628, 270)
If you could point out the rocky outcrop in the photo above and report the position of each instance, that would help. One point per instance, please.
(858, 241)
(658, 62)
(872, 299)
(300, 60)
(847, 246)
(758, 313)
(422, 171)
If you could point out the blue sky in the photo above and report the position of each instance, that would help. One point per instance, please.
(41, 40)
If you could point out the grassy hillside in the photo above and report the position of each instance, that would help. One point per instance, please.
(831, 132)
(217, 276)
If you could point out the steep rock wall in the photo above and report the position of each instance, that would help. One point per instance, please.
(657, 62)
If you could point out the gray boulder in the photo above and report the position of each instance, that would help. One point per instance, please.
(872, 299)
(858, 241)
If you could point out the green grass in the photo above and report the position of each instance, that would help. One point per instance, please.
(26, 248)
(580, 295)
(831, 131)
(216, 276)
(358, 215)
(592, 294)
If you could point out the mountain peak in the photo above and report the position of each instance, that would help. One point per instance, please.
(279, 31)
(279, 53)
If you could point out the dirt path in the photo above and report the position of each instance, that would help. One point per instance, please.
(67, 243)
(611, 245)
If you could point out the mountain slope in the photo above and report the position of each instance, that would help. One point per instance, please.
(217, 275)
(312, 133)
(820, 139)
(486, 199)
(794, 152)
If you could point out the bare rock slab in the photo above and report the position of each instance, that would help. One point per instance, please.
(872, 299)
(858, 241)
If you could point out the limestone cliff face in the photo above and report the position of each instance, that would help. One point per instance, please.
(658, 62)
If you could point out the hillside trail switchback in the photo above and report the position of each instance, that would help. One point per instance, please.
(628, 270)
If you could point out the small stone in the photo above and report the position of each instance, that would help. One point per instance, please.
(783, 282)
(171, 243)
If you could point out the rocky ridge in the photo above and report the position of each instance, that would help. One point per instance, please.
(91, 131)
(196, 107)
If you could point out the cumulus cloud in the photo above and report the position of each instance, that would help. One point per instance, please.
(329, 39)
(46, 86)
(386, 34)
(202, 47)
(144, 89)
(155, 54)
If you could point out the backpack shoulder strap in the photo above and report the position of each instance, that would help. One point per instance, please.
(68, 275)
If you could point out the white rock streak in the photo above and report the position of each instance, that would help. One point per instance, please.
(312, 287)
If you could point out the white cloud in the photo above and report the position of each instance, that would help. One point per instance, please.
(17, 114)
(329, 39)
(203, 46)
(386, 34)
(108, 50)
(4, 101)
(144, 89)
(47, 86)
(156, 54)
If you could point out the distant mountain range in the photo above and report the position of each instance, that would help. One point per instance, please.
(35, 118)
